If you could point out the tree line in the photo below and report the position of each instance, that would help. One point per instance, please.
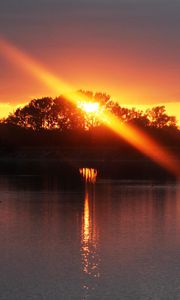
(56, 121)
(60, 114)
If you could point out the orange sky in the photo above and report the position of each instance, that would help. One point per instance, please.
(146, 90)
(129, 49)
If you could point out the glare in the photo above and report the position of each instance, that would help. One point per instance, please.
(134, 136)
(89, 107)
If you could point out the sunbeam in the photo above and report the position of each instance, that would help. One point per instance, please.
(137, 138)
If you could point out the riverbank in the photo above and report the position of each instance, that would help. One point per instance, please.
(66, 162)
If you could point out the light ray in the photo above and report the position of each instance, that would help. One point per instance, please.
(138, 139)
(25, 62)
(143, 142)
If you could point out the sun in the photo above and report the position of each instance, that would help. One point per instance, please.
(89, 107)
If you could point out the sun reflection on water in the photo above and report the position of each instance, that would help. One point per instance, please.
(89, 235)
(89, 174)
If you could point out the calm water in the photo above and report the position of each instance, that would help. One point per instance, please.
(106, 239)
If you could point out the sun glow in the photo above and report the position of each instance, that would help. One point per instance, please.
(134, 136)
(89, 107)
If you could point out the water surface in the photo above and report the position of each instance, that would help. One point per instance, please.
(100, 239)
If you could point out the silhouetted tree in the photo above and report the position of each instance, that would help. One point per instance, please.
(33, 115)
(102, 98)
(159, 119)
(48, 113)
(66, 116)
(91, 119)
(62, 115)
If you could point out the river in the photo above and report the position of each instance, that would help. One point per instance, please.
(101, 239)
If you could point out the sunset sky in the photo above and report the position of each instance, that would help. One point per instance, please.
(127, 48)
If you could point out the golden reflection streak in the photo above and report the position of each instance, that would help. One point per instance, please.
(132, 135)
(89, 174)
(86, 223)
(89, 236)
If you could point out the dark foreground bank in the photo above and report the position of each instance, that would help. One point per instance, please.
(66, 163)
